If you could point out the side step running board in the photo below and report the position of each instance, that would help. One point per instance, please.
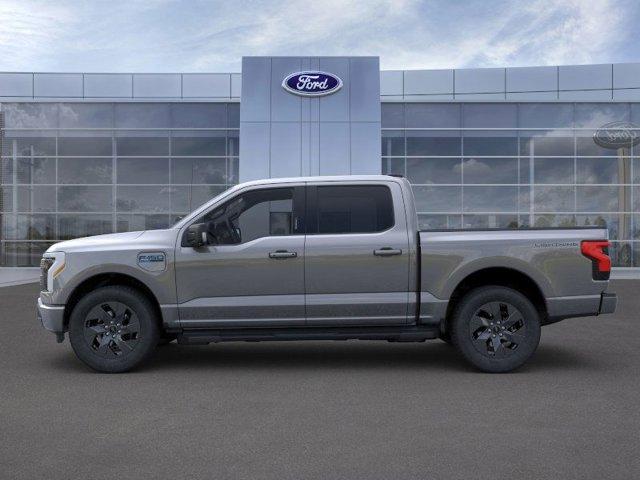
(391, 334)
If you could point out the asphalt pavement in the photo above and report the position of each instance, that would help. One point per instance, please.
(323, 410)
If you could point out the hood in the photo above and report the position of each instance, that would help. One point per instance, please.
(110, 239)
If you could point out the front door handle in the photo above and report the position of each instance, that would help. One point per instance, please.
(282, 254)
(387, 252)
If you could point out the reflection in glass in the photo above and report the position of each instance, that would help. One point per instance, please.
(85, 170)
(89, 146)
(435, 222)
(601, 198)
(554, 199)
(394, 166)
(490, 221)
(490, 170)
(602, 170)
(392, 143)
(85, 199)
(142, 170)
(136, 222)
(36, 170)
(199, 170)
(490, 199)
(143, 199)
(427, 144)
(142, 146)
(84, 225)
(434, 170)
(438, 199)
(36, 198)
(33, 146)
(553, 170)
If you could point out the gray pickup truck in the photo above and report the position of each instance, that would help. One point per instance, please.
(320, 258)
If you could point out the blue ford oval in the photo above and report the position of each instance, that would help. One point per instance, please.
(312, 83)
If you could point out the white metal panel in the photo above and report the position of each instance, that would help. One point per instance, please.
(428, 82)
(479, 80)
(57, 85)
(585, 77)
(532, 79)
(203, 85)
(108, 85)
(16, 84)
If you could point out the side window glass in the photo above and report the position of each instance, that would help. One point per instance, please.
(354, 209)
(251, 215)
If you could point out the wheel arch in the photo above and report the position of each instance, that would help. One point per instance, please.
(109, 279)
(503, 277)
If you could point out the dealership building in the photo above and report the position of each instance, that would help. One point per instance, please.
(93, 153)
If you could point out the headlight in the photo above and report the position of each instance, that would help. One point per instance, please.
(51, 265)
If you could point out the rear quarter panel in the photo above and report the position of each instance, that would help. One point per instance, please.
(552, 258)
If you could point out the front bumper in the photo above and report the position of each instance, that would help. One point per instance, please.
(51, 317)
(608, 302)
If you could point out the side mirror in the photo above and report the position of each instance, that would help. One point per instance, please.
(195, 236)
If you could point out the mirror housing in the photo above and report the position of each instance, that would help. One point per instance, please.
(195, 236)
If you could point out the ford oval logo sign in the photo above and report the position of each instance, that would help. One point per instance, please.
(617, 135)
(312, 84)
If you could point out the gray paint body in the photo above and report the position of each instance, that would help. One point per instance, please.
(335, 280)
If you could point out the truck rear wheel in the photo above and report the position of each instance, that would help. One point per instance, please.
(496, 329)
(113, 329)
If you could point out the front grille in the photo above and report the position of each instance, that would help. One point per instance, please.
(45, 265)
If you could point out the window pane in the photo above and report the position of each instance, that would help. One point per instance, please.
(136, 222)
(438, 199)
(490, 170)
(392, 115)
(545, 115)
(31, 227)
(91, 146)
(142, 146)
(436, 222)
(392, 143)
(85, 170)
(23, 254)
(36, 170)
(487, 115)
(598, 114)
(142, 115)
(545, 221)
(92, 115)
(211, 145)
(490, 143)
(554, 199)
(142, 170)
(553, 170)
(602, 199)
(233, 112)
(83, 225)
(426, 144)
(30, 115)
(602, 170)
(85, 199)
(490, 221)
(233, 143)
(619, 225)
(36, 199)
(434, 170)
(586, 145)
(621, 254)
(490, 199)
(541, 144)
(354, 209)
(143, 199)
(29, 146)
(199, 170)
(199, 115)
(432, 115)
(393, 166)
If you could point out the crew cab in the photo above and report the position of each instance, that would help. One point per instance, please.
(320, 258)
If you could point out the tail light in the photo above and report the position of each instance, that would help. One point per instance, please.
(598, 252)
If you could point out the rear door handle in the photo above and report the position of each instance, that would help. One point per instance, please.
(282, 254)
(387, 252)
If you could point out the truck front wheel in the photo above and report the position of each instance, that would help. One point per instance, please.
(496, 329)
(113, 329)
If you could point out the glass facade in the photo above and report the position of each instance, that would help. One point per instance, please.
(511, 165)
(76, 169)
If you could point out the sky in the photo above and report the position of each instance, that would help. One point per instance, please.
(212, 36)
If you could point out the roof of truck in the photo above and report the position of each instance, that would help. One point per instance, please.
(325, 178)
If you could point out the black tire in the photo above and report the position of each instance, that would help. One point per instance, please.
(496, 329)
(114, 329)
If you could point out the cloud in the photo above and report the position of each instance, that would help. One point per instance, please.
(165, 35)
